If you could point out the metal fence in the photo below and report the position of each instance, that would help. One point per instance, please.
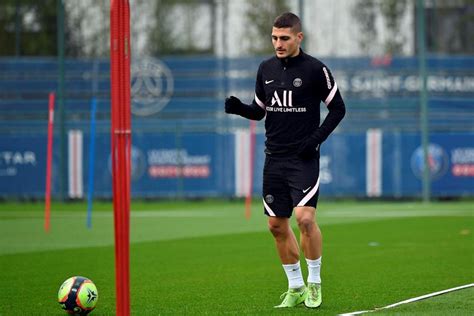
(182, 98)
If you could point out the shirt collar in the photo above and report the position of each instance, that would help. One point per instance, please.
(288, 61)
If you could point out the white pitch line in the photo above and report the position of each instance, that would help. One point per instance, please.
(396, 214)
(419, 298)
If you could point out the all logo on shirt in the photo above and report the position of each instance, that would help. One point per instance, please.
(287, 98)
(284, 103)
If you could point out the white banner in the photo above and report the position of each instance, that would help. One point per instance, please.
(75, 164)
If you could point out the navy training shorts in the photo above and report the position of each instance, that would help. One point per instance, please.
(288, 183)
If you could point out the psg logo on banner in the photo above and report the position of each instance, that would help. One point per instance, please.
(437, 161)
(152, 86)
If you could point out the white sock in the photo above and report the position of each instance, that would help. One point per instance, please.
(294, 275)
(314, 270)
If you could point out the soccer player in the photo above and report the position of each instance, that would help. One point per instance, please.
(288, 91)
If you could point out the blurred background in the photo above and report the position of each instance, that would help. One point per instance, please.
(405, 69)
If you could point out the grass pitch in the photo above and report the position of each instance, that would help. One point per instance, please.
(195, 258)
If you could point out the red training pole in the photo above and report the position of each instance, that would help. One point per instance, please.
(121, 147)
(49, 160)
(128, 133)
(248, 198)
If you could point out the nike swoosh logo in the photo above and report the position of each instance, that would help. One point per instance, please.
(268, 81)
(304, 191)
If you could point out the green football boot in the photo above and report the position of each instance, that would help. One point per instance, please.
(293, 297)
(314, 297)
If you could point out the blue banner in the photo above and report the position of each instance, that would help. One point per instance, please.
(451, 164)
(167, 165)
(23, 166)
(203, 165)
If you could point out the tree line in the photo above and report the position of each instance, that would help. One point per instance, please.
(180, 27)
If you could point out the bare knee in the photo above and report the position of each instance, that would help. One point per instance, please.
(305, 217)
(278, 228)
(306, 225)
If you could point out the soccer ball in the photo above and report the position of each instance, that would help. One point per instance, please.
(78, 295)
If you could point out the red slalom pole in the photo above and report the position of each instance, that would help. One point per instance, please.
(248, 198)
(121, 147)
(49, 160)
(127, 135)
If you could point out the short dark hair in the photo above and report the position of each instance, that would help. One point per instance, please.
(286, 20)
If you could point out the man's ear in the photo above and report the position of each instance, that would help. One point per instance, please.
(300, 36)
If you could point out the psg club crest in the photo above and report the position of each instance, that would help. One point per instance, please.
(152, 86)
(269, 198)
(297, 82)
(437, 161)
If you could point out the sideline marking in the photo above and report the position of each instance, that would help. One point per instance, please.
(419, 298)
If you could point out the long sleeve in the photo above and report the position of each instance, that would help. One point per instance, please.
(255, 110)
(251, 111)
(331, 96)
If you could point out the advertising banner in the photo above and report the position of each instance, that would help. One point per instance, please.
(23, 166)
(167, 165)
(451, 163)
(362, 164)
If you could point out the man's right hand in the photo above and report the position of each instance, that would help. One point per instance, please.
(232, 105)
(308, 149)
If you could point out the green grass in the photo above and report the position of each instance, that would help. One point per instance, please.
(454, 303)
(204, 257)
